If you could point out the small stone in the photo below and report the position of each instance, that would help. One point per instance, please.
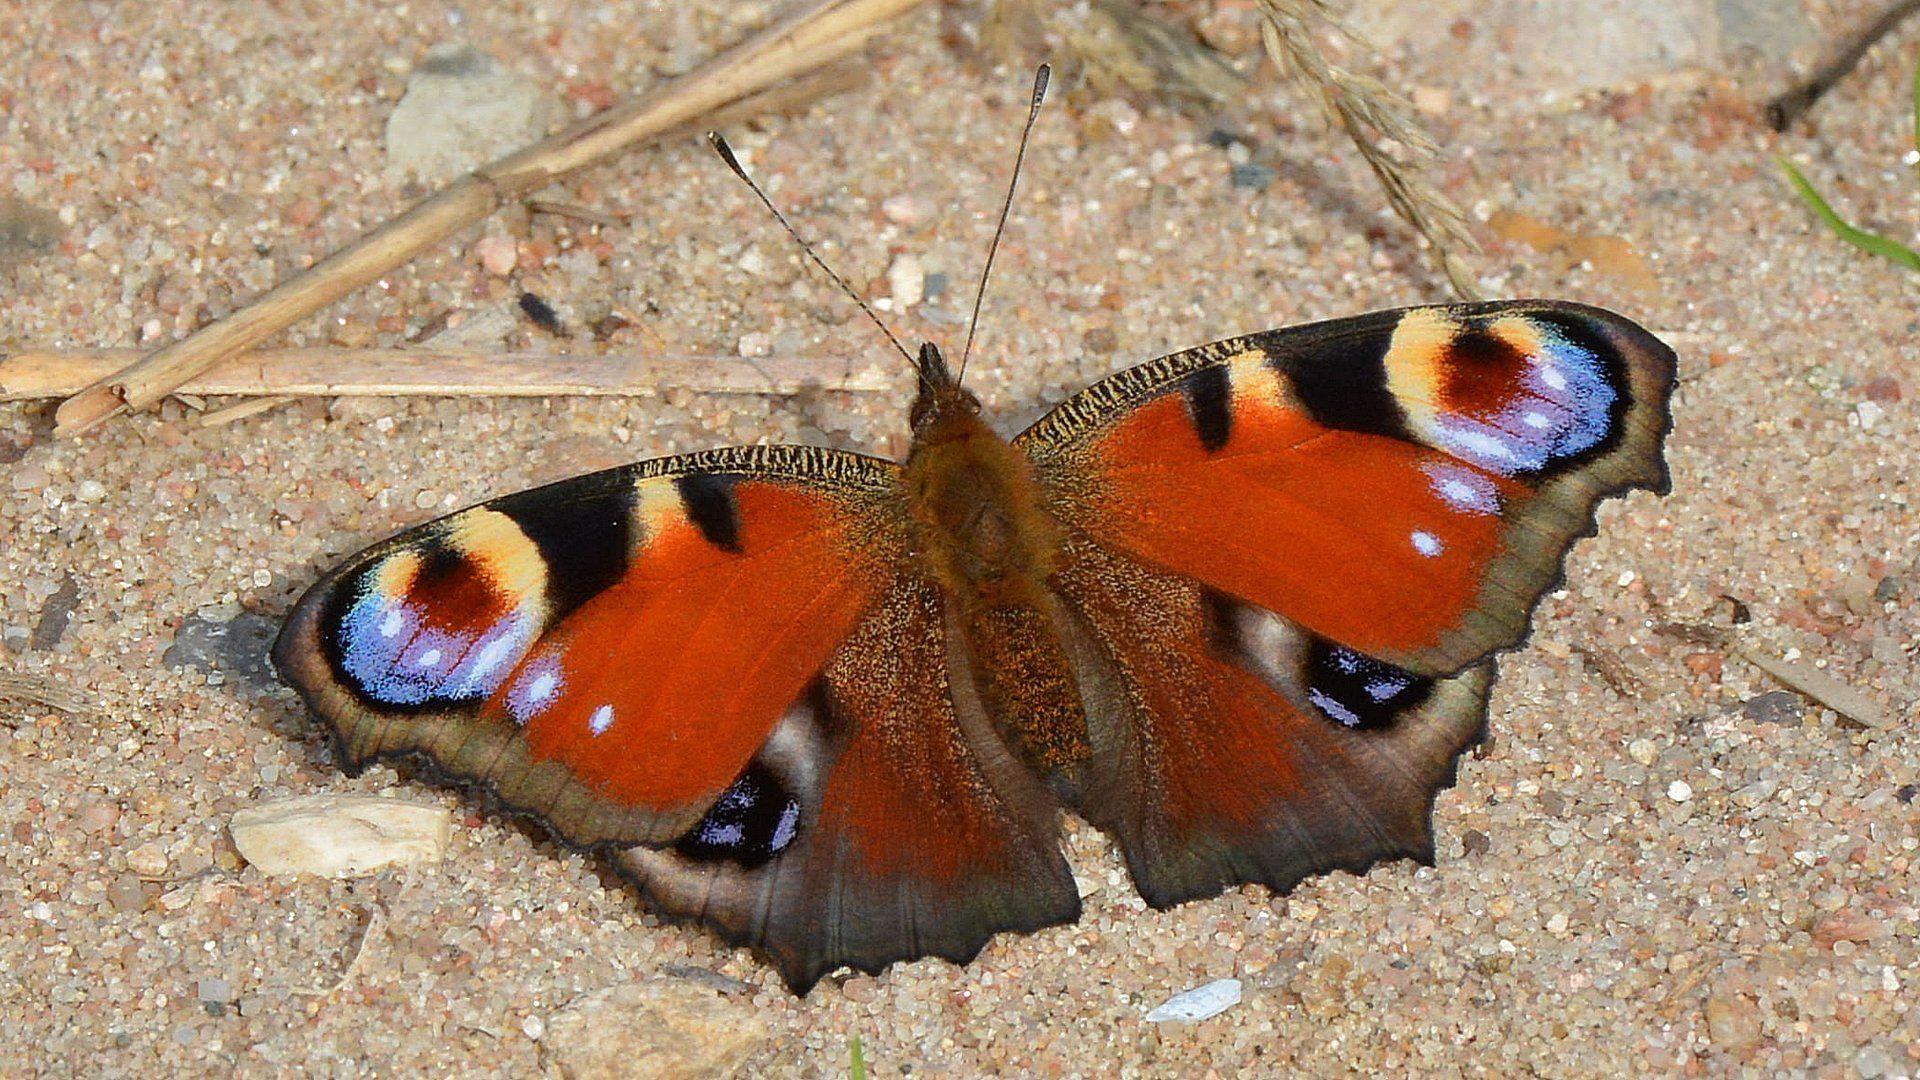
(907, 281)
(1846, 925)
(97, 816)
(1774, 707)
(1732, 1021)
(1643, 751)
(1872, 1063)
(1868, 414)
(90, 491)
(1557, 923)
(340, 836)
(1252, 175)
(533, 1027)
(237, 646)
(461, 111)
(1679, 791)
(127, 894)
(907, 209)
(1475, 842)
(661, 1027)
(213, 991)
(755, 344)
(149, 860)
(497, 254)
(1200, 1003)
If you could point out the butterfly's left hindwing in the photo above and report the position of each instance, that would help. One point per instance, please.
(1289, 555)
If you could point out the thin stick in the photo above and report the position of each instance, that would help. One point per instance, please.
(37, 691)
(1790, 106)
(816, 35)
(327, 372)
(1040, 77)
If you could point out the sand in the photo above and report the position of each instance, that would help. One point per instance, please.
(1647, 870)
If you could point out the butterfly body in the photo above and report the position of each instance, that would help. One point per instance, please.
(1234, 607)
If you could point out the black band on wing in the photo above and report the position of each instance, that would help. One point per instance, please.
(1209, 397)
(708, 500)
(1342, 382)
(585, 541)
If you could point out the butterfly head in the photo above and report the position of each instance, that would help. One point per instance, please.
(941, 395)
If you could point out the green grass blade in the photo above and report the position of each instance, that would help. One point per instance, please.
(1860, 238)
(858, 1070)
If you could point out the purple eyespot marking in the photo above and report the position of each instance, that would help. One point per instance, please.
(537, 687)
(392, 653)
(1561, 406)
(1357, 691)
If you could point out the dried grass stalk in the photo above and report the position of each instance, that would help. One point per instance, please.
(1372, 116)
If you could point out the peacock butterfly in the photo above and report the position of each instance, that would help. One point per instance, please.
(1236, 607)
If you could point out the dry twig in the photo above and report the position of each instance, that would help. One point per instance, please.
(333, 372)
(814, 36)
(1790, 106)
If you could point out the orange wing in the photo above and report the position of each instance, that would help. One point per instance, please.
(1336, 524)
(719, 656)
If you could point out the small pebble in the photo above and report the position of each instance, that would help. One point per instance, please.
(149, 860)
(907, 281)
(1199, 1003)
(214, 990)
(497, 254)
(1680, 791)
(90, 491)
(1643, 751)
(907, 209)
(755, 344)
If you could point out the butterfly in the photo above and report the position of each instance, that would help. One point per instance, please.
(1235, 607)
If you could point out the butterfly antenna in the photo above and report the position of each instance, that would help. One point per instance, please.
(1040, 77)
(726, 155)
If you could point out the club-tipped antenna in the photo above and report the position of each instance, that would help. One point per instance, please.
(726, 155)
(1040, 77)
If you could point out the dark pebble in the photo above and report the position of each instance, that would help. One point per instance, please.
(1774, 707)
(1253, 175)
(238, 648)
(1475, 842)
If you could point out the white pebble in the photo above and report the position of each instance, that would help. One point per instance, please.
(1199, 1003)
(90, 491)
(339, 836)
(907, 281)
(1643, 751)
(906, 209)
(1679, 791)
(758, 343)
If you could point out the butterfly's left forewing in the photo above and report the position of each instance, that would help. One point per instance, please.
(607, 652)
(1288, 556)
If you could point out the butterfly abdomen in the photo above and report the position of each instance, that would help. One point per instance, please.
(992, 548)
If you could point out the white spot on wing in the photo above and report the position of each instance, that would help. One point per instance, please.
(429, 658)
(391, 623)
(541, 689)
(601, 720)
(1427, 544)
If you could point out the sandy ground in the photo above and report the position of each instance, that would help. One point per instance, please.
(1647, 870)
